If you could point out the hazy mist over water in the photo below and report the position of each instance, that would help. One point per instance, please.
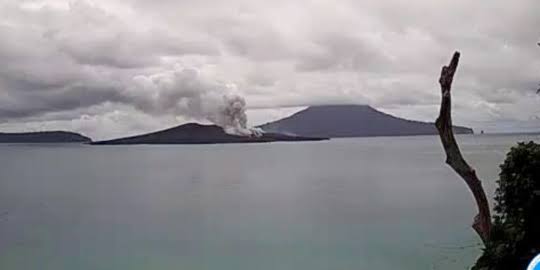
(365, 203)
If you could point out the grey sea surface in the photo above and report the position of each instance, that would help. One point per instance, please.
(364, 203)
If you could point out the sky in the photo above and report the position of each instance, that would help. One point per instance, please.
(111, 68)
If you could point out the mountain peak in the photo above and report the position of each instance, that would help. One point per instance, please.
(341, 108)
(350, 121)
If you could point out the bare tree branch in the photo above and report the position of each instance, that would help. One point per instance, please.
(482, 222)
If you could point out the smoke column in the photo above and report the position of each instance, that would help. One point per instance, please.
(188, 93)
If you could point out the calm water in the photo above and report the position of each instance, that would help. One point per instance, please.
(369, 203)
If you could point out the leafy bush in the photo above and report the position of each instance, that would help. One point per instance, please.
(515, 237)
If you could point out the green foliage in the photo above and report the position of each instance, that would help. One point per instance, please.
(515, 237)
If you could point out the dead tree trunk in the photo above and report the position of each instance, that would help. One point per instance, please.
(482, 221)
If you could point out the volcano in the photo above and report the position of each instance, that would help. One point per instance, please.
(193, 133)
(342, 121)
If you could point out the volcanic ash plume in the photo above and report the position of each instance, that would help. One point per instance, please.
(187, 93)
(232, 116)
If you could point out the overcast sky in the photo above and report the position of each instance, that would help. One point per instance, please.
(96, 66)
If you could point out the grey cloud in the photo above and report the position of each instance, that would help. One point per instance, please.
(338, 51)
(250, 36)
(91, 36)
(62, 59)
(262, 78)
(102, 39)
(69, 98)
(122, 49)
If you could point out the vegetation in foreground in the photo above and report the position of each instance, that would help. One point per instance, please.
(515, 235)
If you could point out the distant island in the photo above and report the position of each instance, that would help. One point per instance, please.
(314, 123)
(193, 133)
(44, 137)
(340, 121)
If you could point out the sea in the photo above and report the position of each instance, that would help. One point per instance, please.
(362, 203)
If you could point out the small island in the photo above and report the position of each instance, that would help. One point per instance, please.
(44, 137)
(193, 133)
